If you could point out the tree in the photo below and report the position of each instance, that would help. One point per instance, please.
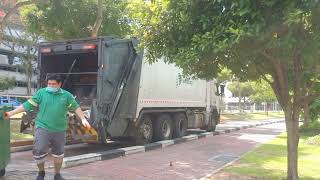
(241, 90)
(254, 39)
(27, 57)
(224, 75)
(262, 93)
(98, 21)
(314, 110)
(308, 102)
(22, 45)
(68, 19)
(6, 83)
(144, 17)
(11, 10)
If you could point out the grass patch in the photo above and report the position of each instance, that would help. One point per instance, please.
(315, 140)
(312, 129)
(15, 131)
(270, 160)
(252, 116)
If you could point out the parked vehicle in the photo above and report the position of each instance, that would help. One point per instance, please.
(9, 101)
(125, 95)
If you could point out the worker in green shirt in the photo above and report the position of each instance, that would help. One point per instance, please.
(51, 122)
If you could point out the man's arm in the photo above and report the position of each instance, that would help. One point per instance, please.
(13, 112)
(33, 102)
(84, 121)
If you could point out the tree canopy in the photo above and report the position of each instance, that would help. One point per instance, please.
(7, 83)
(262, 92)
(68, 19)
(254, 39)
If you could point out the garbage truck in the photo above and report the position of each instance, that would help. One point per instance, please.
(124, 95)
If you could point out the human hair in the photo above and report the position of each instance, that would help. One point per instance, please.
(55, 77)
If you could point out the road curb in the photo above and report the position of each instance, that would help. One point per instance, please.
(111, 154)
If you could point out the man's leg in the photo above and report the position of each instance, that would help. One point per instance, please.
(58, 140)
(40, 150)
(57, 164)
(41, 166)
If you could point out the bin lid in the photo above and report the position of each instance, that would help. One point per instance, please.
(4, 109)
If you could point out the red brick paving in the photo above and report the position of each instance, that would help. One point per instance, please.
(190, 160)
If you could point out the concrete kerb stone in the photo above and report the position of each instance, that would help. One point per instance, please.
(133, 149)
(166, 143)
(190, 137)
(201, 136)
(92, 157)
(105, 155)
(208, 134)
(21, 148)
(81, 159)
(220, 132)
(152, 146)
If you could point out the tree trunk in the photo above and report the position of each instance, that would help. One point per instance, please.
(239, 105)
(98, 21)
(29, 86)
(306, 119)
(292, 126)
(28, 70)
(239, 96)
(267, 108)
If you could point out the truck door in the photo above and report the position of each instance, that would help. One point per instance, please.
(118, 84)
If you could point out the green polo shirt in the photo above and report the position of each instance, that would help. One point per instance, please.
(52, 108)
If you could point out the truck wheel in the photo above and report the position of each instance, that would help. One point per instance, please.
(211, 126)
(180, 125)
(163, 127)
(102, 133)
(145, 131)
(213, 121)
(2, 172)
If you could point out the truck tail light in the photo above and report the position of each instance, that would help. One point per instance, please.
(90, 46)
(45, 50)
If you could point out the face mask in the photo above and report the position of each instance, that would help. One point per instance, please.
(52, 89)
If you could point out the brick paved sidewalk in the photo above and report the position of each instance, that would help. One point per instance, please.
(189, 160)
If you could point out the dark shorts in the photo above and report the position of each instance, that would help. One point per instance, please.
(43, 140)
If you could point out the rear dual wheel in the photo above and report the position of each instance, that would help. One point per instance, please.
(180, 125)
(163, 127)
(145, 130)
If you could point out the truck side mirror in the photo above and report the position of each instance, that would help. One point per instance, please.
(217, 90)
(222, 86)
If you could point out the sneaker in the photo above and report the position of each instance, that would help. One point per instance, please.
(41, 175)
(58, 177)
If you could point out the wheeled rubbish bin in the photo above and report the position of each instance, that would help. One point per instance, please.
(4, 140)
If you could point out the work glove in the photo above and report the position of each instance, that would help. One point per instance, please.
(6, 115)
(85, 123)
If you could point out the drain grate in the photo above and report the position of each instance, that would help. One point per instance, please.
(223, 158)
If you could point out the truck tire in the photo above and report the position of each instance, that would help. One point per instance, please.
(102, 133)
(145, 130)
(2, 172)
(211, 126)
(163, 127)
(180, 125)
(214, 119)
